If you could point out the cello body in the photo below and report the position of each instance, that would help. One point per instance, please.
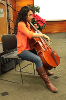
(49, 57)
(45, 53)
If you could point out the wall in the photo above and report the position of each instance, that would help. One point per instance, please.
(51, 27)
(55, 27)
(13, 3)
(17, 5)
(3, 20)
(21, 3)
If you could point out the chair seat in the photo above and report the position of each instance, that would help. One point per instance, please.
(10, 55)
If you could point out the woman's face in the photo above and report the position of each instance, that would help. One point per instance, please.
(29, 16)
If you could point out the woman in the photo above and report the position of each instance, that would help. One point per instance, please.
(25, 50)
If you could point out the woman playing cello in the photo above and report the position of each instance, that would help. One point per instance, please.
(25, 50)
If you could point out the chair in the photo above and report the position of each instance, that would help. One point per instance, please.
(9, 44)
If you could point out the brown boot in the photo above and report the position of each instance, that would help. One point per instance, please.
(49, 73)
(47, 81)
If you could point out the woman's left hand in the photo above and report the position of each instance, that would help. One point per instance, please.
(36, 26)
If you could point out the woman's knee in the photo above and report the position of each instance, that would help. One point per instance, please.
(39, 63)
(39, 59)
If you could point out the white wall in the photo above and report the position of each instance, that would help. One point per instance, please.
(52, 10)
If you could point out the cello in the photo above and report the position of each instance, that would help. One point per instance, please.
(49, 57)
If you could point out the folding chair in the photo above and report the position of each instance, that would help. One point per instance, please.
(9, 44)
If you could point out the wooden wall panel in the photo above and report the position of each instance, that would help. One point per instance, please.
(21, 3)
(12, 15)
(55, 27)
(13, 3)
(3, 20)
(11, 22)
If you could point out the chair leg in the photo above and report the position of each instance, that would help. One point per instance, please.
(33, 68)
(21, 73)
(24, 71)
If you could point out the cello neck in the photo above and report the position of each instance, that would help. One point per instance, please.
(34, 28)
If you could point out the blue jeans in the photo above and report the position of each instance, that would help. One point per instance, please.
(30, 56)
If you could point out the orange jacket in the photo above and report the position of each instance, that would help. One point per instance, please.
(23, 33)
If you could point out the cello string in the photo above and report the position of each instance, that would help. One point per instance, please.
(39, 32)
(60, 75)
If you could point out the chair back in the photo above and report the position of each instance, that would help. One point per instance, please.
(9, 41)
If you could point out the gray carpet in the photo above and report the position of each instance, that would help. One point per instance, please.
(33, 87)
